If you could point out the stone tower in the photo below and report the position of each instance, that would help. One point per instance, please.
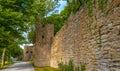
(28, 53)
(42, 50)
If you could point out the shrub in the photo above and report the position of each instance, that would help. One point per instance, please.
(71, 67)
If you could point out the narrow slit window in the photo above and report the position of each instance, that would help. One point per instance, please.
(42, 36)
(26, 51)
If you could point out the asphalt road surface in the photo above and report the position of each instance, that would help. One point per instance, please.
(20, 66)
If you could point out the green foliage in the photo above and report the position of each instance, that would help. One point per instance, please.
(45, 69)
(57, 20)
(3, 35)
(102, 4)
(90, 8)
(31, 35)
(7, 63)
(74, 5)
(36, 12)
(10, 22)
(12, 26)
(14, 51)
(71, 67)
(90, 4)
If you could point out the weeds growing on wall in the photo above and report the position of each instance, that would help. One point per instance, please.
(102, 5)
(71, 67)
(76, 4)
(95, 30)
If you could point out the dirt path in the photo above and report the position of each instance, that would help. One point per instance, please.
(20, 66)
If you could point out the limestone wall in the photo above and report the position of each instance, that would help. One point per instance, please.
(94, 41)
(42, 50)
(28, 53)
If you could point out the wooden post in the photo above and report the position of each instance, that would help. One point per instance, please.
(3, 57)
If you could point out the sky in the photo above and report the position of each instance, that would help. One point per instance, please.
(62, 5)
(60, 8)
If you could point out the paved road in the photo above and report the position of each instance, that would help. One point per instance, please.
(20, 66)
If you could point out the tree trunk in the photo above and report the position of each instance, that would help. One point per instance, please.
(3, 57)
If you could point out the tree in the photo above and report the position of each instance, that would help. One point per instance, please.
(3, 57)
(37, 12)
(11, 24)
(16, 17)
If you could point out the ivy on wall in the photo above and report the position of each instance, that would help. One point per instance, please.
(91, 5)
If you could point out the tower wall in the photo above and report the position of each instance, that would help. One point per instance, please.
(28, 53)
(44, 36)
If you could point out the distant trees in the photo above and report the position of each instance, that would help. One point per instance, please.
(59, 19)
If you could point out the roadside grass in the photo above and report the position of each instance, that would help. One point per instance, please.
(62, 67)
(45, 69)
(6, 65)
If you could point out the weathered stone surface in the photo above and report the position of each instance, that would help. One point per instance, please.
(97, 46)
(42, 46)
(28, 52)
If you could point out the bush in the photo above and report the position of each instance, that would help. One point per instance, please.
(71, 67)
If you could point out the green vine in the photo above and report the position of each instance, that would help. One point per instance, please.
(97, 30)
(102, 5)
(99, 37)
(89, 25)
(76, 4)
(91, 4)
(90, 8)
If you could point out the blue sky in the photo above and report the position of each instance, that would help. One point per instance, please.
(62, 5)
(60, 8)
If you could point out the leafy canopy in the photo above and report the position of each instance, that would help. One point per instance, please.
(12, 24)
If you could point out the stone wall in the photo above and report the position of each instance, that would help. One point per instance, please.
(42, 49)
(94, 41)
(28, 53)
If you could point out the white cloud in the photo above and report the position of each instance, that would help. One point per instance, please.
(22, 46)
(62, 5)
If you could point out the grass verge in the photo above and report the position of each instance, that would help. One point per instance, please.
(6, 65)
(45, 69)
